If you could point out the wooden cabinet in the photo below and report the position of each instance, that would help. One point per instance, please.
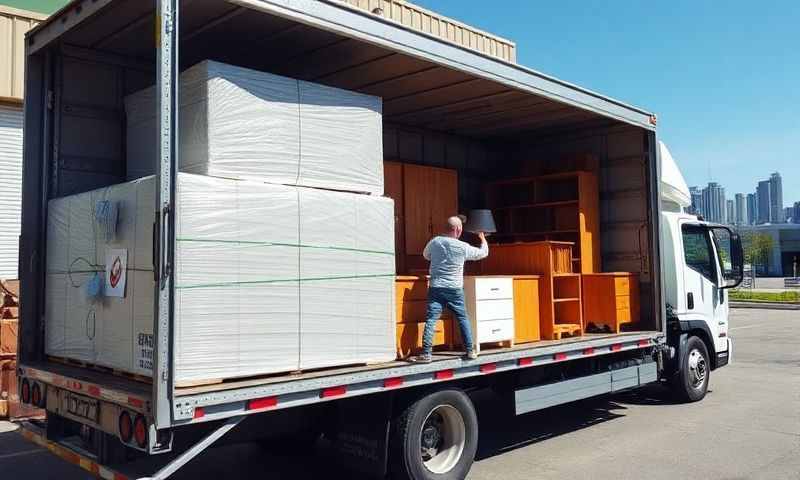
(526, 309)
(490, 306)
(610, 300)
(393, 188)
(423, 199)
(560, 311)
(430, 195)
(411, 293)
(559, 207)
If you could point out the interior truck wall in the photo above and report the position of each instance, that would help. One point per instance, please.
(622, 152)
(475, 161)
(89, 122)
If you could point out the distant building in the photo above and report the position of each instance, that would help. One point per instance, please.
(776, 198)
(796, 215)
(763, 195)
(730, 212)
(752, 208)
(788, 215)
(785, 253)
(697, 201)
(740, 209)
(714, 203)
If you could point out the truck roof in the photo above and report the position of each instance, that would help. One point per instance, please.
(367, 47)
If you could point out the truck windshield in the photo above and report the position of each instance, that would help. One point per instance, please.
(697, 251)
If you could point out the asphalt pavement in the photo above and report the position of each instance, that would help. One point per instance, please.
(748, 427)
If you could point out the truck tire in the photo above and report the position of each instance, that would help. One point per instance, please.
(435, 438)
(690, 383)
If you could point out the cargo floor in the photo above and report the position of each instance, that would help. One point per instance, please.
(233, 384)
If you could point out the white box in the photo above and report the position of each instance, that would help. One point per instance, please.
(240, 123)
(268, 279)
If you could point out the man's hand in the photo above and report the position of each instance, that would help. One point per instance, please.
(482, 236)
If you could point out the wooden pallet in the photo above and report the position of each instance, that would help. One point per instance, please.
(99, 368)
(568, 329)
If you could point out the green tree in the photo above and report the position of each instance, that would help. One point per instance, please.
(757, 248)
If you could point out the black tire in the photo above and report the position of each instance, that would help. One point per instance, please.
(690, 383)
(405, 453)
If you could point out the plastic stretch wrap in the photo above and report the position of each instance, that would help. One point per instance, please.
(98, 331)
(240, 123)
(268, 278)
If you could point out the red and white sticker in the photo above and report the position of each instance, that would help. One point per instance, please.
(116, 269)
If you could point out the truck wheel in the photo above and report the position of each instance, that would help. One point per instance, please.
(690, 384)
(435, 438)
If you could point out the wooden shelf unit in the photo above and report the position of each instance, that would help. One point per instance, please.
(560, 310)
(559, 207)
(526, 309)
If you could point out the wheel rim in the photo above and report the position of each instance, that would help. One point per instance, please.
(697, 369)
(442, 439)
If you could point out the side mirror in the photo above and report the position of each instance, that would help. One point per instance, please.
(731, 256)
(737, 262)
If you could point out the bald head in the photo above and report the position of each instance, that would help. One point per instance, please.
(454, 227)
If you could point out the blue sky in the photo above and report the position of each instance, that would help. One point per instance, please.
(723, 76)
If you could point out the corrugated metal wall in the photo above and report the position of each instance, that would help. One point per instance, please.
(13, 25)
(418, 18)
(10, 188)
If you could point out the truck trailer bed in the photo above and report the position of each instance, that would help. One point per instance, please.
(237, 397)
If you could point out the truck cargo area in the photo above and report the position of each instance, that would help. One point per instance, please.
(446, 111)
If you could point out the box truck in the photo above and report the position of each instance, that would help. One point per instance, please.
(444, 106)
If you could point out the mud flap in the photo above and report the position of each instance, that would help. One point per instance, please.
(360, 433)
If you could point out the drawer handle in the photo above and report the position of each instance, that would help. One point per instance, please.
(494, 289)
(496, 330)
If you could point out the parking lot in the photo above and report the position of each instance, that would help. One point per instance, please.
(747, 428)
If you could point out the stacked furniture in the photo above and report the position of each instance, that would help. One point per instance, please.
(560, 309)
(610, 301)
(560, 207)
(490, 306)
(411, 304)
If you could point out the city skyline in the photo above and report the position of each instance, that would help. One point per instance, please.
(764, 204)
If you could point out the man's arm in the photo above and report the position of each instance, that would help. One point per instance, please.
(478, 253)
(426, 253)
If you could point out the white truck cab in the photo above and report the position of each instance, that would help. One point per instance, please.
(701, 261)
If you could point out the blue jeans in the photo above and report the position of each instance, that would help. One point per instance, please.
(453, 299)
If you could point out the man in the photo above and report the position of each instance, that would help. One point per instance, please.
(447, 255)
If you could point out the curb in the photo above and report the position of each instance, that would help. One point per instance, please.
(34, 435)
(766, 305)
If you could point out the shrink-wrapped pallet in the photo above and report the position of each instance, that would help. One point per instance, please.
(347, 266)
(268, 279)
(240, 123)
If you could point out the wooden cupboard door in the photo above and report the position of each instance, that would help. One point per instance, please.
(393, 188)
(430, 195)
(526, 310)
(445, 204)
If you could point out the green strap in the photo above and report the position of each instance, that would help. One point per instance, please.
(279, 280)
(277, 244)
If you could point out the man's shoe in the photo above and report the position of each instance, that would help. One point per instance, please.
(472, 354)
(422, 358)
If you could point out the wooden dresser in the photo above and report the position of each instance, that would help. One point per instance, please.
(611, 300)
(490, 306)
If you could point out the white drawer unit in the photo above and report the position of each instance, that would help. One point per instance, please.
(490, 306)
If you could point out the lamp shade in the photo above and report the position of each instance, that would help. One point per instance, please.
(480, 221)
